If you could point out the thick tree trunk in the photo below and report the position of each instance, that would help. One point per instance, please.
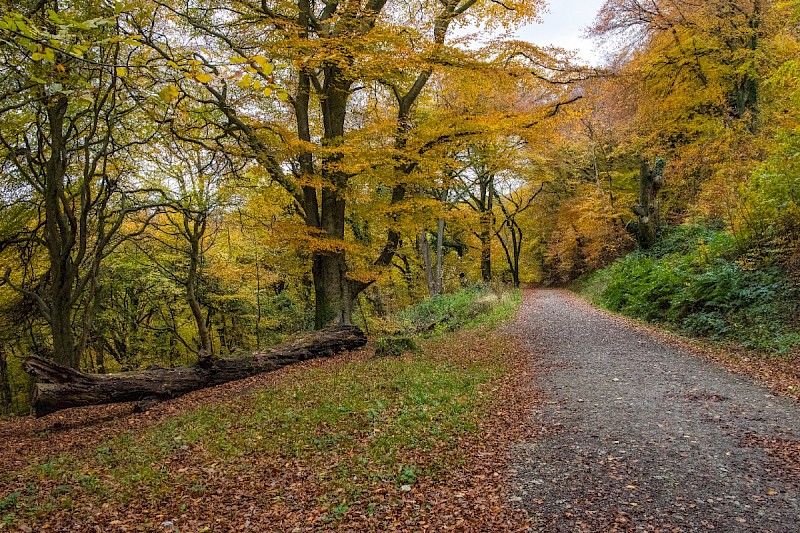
(60, 235)
(60, 387)
(332, 289)
(333, 301)
(64, 346)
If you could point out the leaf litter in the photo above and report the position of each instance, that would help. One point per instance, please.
(60, 473)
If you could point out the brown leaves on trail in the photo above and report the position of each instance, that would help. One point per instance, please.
(784, 451)
(460, 485)
(780, 373)
(475, 496)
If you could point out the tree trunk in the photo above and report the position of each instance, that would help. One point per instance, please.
(334, 301)
(60, 387)
(514, 252)
(334, 304)
(5, 385)
(64, 349)
(647, 210)
(100, 358)
(425, 252)
(192, 281)
(439, 279)
(486, 247)
(746, 87)
(517, 246)
(60, 235)
(487, 225)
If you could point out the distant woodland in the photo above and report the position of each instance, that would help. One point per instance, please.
(189, 179)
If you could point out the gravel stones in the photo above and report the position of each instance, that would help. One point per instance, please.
(641, 435)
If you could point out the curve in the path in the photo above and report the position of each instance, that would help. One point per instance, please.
(641, 435)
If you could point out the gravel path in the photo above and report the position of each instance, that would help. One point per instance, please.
(641, 435)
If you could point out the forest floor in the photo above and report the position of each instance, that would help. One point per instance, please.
(567, 418)
(419, 442)
(638, 433)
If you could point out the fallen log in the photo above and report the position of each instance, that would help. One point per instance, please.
(59, 387)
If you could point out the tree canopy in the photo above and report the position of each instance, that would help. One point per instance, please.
(182, 180)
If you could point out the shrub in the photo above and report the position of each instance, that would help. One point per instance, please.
(394, 346)
(692, 280)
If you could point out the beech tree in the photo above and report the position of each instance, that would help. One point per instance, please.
(717, 42)
(319, 61)
(695, 71)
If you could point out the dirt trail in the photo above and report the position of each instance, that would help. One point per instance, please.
(641, 435)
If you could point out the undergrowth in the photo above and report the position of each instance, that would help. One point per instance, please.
(697, 281)
(478, 305)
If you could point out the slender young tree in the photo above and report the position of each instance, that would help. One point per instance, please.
(197, 185)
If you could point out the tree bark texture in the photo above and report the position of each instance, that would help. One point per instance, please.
(61, 235)
(425, 253)
(60, 387)
(5, 385)
(647, 210)
(439, 277)
(487, 225)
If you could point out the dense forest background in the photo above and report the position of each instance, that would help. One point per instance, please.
(181, 179)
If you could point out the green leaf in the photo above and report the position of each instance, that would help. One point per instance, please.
(247, 80)
(169, 93)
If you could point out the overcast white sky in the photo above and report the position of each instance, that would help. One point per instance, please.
(562, 26)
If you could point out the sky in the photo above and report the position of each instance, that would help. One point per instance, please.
(562, 26)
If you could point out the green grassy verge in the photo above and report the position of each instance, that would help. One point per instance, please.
(696, 282)
(379, 422)
(470, 307)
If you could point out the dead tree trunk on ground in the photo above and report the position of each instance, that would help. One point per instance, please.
(60, 387)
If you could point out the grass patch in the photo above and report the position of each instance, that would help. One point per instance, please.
(474, 306)
(376, 423)
(593, 285)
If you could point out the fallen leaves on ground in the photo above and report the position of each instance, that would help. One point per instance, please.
(459, 484)
(784, 451)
